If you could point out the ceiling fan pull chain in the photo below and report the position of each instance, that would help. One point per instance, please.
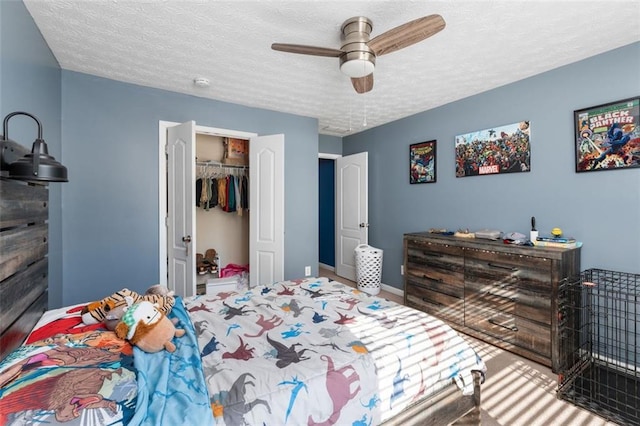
(364, 107)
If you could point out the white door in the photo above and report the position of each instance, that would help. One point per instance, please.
(352, 213)
(181, 221)
(266, 203)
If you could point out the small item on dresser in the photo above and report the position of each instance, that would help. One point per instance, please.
(556, 232)
(576, 244)
(533, 234)
(556, 240)
(442, 231)
(464, 233)
(488, 234)
(515, 238)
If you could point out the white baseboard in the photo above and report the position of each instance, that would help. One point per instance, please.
(327, 267)
(392, 290)
(385, 287)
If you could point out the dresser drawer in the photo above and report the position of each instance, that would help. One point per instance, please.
(436, 265)
(501, 297)
(434, 279)
(508, 327)
(528, 273)
(435, 303)
(510, 298)
(433, 247)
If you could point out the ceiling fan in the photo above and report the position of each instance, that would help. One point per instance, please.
(358, 52)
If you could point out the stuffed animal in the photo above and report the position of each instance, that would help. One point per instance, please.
(161, 290)
(97, 312)
(144, 326)
(113, 317)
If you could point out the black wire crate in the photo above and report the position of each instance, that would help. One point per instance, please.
(599, 326)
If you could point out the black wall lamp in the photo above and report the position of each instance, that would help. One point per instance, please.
(16, 162)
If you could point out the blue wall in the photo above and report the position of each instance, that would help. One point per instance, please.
(602, 209)
(30, 82)
(111, 210)
(329, 144)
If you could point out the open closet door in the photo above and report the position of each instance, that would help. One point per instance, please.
(352, 211)
(266, 204)
(180, 208)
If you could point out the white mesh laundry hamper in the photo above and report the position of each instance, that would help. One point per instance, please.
(368, 268)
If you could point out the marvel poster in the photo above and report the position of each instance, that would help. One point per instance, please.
(422, 162)
(503, 149)
(607, 136)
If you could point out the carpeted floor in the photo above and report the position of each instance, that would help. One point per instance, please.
(517, 392)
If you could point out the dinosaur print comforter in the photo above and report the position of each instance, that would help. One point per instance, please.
(72, 374)
(317, 352)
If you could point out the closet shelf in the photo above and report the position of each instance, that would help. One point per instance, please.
(220, 164)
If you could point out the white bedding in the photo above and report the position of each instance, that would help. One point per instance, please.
(316, 351)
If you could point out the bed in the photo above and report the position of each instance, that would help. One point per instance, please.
(310, 351)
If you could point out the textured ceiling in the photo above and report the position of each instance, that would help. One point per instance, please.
(486, 44)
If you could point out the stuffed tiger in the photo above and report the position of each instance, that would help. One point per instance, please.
(96, 312)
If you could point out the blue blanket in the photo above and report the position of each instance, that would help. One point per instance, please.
(171, 386)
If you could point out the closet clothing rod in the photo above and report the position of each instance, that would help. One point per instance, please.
(219, 164)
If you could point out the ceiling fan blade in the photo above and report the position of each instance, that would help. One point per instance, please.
(407, 34)
(307, 50)
(363, 84)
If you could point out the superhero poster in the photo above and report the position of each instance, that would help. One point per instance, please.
(503, 149)
(422, 162)
(608, 136)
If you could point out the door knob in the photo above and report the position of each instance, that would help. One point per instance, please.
(186, 240)
(364, 225)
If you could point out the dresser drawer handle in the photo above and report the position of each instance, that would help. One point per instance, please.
(431, 254)
(508, 268)
(432, 279)
(490, 293)
(424, 299)
(508, 327)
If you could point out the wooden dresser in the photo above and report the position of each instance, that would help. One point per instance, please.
(506, 295)
(24, 212)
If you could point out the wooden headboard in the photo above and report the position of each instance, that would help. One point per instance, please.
(24, 211)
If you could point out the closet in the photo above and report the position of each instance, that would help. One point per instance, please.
(262, 231)
(221, 203)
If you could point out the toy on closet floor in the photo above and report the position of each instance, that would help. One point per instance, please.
(110, 309)
(144, 326)
(207, 263)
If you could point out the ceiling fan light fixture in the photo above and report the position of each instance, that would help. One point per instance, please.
(357, 64)
(357, 68)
